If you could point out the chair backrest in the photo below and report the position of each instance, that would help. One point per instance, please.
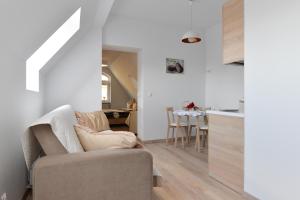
(206, 116)
(206, 120)
(170, 115)
(201, 120)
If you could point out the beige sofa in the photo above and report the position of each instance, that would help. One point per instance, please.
(66, 172)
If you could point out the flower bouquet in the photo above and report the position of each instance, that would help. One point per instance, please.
(191, 106)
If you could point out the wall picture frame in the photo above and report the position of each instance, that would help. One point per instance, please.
(174, 66)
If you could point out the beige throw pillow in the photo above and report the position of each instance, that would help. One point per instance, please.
(96, 121)
(91, 140)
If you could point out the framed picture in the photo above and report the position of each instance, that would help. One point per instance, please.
(174, 66)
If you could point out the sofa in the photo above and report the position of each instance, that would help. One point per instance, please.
(62, 170)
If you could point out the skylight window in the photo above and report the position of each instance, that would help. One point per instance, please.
(43, 54)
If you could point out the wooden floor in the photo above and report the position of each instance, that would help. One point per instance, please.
(185, 175)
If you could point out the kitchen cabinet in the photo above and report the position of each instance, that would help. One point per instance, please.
(233, 32)
(226, 149)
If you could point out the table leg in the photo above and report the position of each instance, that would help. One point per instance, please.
(173, 134)
(197, 139)
(167, 139)
(203, 141)
(182, 136)
(177, 129)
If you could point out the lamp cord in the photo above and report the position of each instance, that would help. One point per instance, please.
(191, 14)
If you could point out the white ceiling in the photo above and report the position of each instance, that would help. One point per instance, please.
(173, 12)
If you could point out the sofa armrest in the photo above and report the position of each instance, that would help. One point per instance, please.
(107, 174)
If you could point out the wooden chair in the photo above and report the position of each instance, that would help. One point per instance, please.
(201, 132)
(178, 125)
(194, 125)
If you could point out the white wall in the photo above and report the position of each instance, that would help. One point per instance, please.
(157, 42)
(24, 27)
(76, 77)
(73, 76)
(18, 108)
(224, 85)
(272, 97)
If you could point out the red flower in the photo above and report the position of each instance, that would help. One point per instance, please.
(191, 105)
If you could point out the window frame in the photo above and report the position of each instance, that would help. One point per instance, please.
(108, 84)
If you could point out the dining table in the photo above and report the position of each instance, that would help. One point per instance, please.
(189, 114)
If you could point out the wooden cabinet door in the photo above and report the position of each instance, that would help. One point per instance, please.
(226, 150)
(233, 32)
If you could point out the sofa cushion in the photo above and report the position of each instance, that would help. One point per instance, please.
(94, 120)
(105, 140)
(48, 141)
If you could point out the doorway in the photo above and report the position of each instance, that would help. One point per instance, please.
(119, 88)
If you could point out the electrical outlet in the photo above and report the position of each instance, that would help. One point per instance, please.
(4, 196)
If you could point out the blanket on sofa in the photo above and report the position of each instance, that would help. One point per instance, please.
(61, 121)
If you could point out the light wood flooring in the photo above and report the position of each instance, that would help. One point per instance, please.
(185, 175)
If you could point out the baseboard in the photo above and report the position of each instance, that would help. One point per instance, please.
(249, 196)
(160, 140)
(153, 141)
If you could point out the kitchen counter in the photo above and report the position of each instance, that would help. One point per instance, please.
(230, 114)
(226, 148)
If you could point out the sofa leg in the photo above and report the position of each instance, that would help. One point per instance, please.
(28, 194)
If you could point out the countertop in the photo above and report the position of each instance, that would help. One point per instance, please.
(230, 114)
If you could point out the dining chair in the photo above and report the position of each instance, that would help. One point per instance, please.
(193, 125)
(201, 132)
(178, 125)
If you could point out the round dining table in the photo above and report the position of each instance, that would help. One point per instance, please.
(189, 114)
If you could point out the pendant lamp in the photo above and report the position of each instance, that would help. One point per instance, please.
(191, 36)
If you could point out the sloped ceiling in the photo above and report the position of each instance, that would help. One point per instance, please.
(124, 67)
(27, 24)
(109, 57)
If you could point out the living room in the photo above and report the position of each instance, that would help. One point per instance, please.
(36, 80)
